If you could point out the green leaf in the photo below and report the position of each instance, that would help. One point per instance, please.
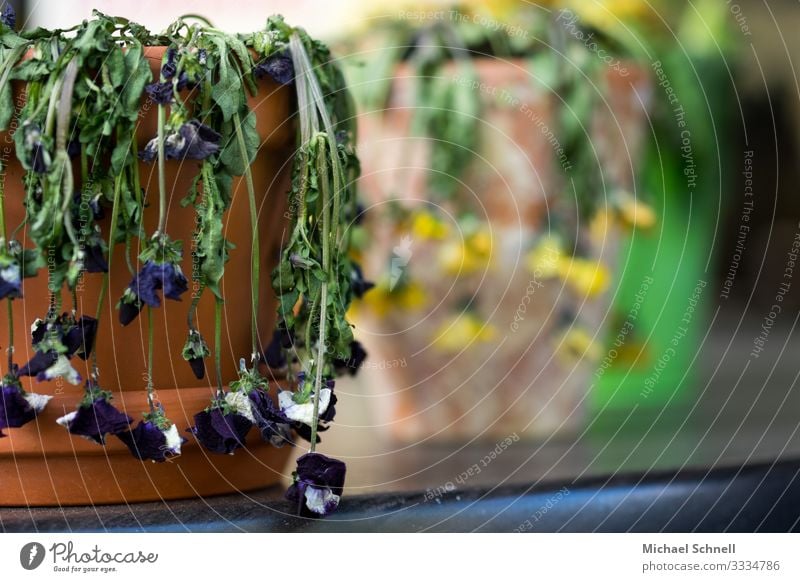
(6, 106)
(231, 155)
(120, 155)
(227, 92)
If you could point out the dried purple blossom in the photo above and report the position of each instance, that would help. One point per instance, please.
(358, 284)
(8, 16)
(129, 307)
(95, 417)
(149, 442)
(279, 66)
(79, 338)
(18, 407)
(94, 258)
(160, 93)
(318, 484)
(275, 353)
(155, 276)
(195, 350)
(220, 431)
(192, 141)
(275, 427)
(351, 364)
(170, 67)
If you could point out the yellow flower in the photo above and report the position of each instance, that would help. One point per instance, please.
(606, 14)
(463, 330)
(576, 344)
(587, 278)
(599, 225)
(469, 256)
(427, 226)
(382, 300)
(543, 260)
(635, 213)
(412, 296)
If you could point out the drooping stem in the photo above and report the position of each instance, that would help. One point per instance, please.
(193, 306)
(322, 175)
(112, 233)
(4, 248)
(10, 311)
(150, 342)
(218, 342)
(254, 255)
(162, 180)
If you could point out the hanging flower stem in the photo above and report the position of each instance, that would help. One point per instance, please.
(162, 185)
(218, 343)
(254, 255)
(4, 245)
(112, 232)
(322, 171)
(150, 342)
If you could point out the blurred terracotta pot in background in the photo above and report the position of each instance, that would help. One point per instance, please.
(482, 345)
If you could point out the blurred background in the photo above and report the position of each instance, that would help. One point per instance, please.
(582, 222)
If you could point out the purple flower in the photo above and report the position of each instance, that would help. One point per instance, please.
(318, 484)
(169, 68)
(279, 66)
(274, 355)
(219, 431)
(56, 341)
(79, 338)
(94, 259)
(351, 365)
(184, 81)
(194, 351)
(154, 276)
(129, 307)
(275, 427)
(40, 362)
(192, 141)
(95, 417)
(160, 93)
(8, 16)
(148, 442)
(358, 284)
(18, 407)
(330, 412)
(304, 431)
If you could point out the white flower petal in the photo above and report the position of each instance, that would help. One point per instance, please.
(61, 367)
(10, 274)
(321, 500)
(173, 439)
(240, 403)
(37, 401)
(67, 419)
(303, 412)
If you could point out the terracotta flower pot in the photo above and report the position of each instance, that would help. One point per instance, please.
(41, 463)
(517, 376)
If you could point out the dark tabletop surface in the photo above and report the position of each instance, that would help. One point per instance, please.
(762, 497)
